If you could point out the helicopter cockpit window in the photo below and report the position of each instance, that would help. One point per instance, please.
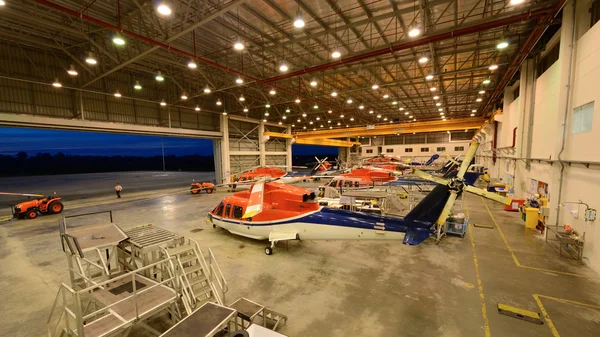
(219, 209)
(227, 210)
(237, 212)
(332, 183)
(356, 184)
(347, 183)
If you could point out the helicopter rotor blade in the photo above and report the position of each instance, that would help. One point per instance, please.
(489, 195)
(427, 176)
(447, 208)
(467, 160)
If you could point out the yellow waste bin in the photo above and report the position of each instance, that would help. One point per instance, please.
(531, 217)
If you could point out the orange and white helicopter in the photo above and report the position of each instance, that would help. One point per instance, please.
(278, 212)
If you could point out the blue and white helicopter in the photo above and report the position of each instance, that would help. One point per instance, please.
(277, 212)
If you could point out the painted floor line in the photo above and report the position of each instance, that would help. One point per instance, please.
(486, 322)
(551, 325)
(516, 260)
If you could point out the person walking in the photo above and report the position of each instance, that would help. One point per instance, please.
(118, 189)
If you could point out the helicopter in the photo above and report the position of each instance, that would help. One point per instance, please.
(277, 212)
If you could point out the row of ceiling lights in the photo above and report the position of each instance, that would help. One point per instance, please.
(164, 9)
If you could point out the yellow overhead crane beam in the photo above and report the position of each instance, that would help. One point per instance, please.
(313, 141)
(391, 129)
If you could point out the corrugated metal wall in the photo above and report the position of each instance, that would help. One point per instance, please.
(40, 68)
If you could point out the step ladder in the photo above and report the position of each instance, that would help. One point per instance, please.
(200, 281)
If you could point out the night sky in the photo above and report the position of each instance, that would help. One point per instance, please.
(32, 141)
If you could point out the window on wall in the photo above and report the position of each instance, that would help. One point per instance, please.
(408, 149)
(441, 149)
(459, 148)
(461, 135)
(369, 151)
(583, 117)
(424, 149)
(438, 137)
(389, 150)
(548, 60)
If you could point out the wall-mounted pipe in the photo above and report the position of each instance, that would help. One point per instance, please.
(569, 90)
(513, 141)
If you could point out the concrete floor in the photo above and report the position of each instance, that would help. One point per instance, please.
(337, 288)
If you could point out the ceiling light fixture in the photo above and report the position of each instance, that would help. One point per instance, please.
(329, 111)
(304, 115)
(349, 101)
(318, 118)
(71, 71)
(432, 89)
(90, 59)
(283, 67)
(414, 32)
(207, 90)
(441, 109)
(473, 110)
(297, 100)
(197, 108)
(406, 113)
(287, 110)
(272, 92)
(502, 44)
(436, 97)
(481, 92)
(423, 59)
(429, 77)
(361, 106)
(515, 2)
(266, 114)
(493, 67)
(118, 40)
(163, 9)
(378, 116)
(192, 65)
(219, 103)
(375, 87)
(239, 80)
(315, 106)
(163, 103)
(394, 102)
(351, 118)
(56, 83)
(184, 96)
(486, 81)
(245, 109)
(238, 45)
(472, 115)
(478, 100)
(224, 113)
(159, 77)
(334, 94)
(313, 83)
(299, 22)
(284, 117)
(370, 111)
(342, 116)
(267, 105)
(242, 98)
(386, 96)
(438, 104)
(336, 54)
(137, 85)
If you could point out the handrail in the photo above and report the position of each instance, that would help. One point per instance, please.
(136, 294)
(187, 282)
(125, 275)
(224, 284)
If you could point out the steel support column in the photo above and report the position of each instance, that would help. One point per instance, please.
(261, 144)
(225, 159)
(288, 148)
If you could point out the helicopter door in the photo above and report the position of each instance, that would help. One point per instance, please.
(238, 211)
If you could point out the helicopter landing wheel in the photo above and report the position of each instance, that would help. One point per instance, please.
(214, 226)
(268, 250)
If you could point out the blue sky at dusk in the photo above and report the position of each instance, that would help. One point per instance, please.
(32, 141)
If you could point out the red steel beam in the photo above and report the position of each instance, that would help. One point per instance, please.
(419, 42)
(533, 38)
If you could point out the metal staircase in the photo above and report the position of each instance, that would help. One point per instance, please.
(201, 281)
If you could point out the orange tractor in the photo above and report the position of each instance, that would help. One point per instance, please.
(31, 208)
(198, 187)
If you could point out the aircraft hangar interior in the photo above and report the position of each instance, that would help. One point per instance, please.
(299, 168)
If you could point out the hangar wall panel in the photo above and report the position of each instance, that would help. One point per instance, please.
(579, 182)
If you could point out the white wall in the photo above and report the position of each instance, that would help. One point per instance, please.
(550, 103)
(399, 150)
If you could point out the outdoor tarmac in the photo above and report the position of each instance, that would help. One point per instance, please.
(81, 187)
